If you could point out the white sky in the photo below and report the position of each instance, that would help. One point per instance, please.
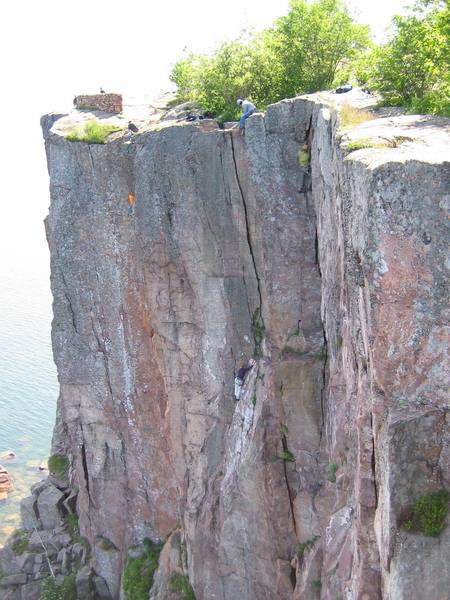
(54, 49)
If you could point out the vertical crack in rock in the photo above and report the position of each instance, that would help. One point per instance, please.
(249, 240)
(373, 463)
(289, 491)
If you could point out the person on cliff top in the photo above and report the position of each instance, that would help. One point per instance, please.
(240, 376)
(248, 108)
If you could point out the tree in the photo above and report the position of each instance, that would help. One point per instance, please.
(301, 53)
(413, 67)
(311, 41)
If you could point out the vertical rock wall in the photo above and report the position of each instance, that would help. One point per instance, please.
(230, 252)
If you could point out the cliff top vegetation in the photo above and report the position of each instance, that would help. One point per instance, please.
(318, 46)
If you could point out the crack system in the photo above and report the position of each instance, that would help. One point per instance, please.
(257, 320)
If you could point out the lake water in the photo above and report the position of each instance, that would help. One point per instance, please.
(28, 385)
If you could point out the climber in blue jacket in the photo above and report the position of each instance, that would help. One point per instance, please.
(248, 108)
(240, 376)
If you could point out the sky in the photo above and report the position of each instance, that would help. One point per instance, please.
(54, 49)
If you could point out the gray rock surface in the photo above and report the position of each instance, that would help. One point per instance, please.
(333, 276)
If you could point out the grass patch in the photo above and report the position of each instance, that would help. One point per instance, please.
(339, 342)
(138, 574)
(362, 144)
(284, 429)
(331, 472)
(428, 514)
(180, 584)
(317, 584)
(254, 400)
(349, 116)
(58, 465)
(92, 132)
(20, 543)
(65, 591)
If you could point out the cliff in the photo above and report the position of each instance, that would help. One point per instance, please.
(332, 276)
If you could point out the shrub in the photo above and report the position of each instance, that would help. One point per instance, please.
(300, 53)
(428, 514)
(331, 472)
(92, 132)
(180, 584)
(138, 575)
(412, 68)
(58, 465)
(287, 456)
(20, 543)
(66, 590)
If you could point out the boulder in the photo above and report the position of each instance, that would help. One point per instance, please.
(16, 579)
(6, 485)
(28, 514)
(31, 591)
(48, 506)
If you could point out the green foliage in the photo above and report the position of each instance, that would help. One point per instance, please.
(413, 68)
(317, 584)
(58, 465)
(180, 584)
(20, 543)
(92, 132)
(287, 456)
(254, 400)
(428, 514)
(284, 429)
(138, 575)
(311, 41)
(300, 53)
(65, 591)
(340, 339)
(258, 330)
(71, 521)
(331, 472)
(360, 145)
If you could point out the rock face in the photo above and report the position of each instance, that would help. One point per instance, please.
(6, 485)
(48, 546)
(333, 276)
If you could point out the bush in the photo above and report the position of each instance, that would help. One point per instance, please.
(138, 575)
(20, 543)
(58, 465)
(92, 132)
(331, 472)
(180, 584)
(287, 456)
(300, 53)
(428, 514)
(65, 591)
(412, 69)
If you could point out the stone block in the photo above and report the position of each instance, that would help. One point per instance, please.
(48, 503)
(28, 514)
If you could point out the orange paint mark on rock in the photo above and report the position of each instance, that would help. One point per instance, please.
(131, 199)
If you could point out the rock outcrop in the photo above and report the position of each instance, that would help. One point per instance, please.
(332, 276)
(6, 484)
